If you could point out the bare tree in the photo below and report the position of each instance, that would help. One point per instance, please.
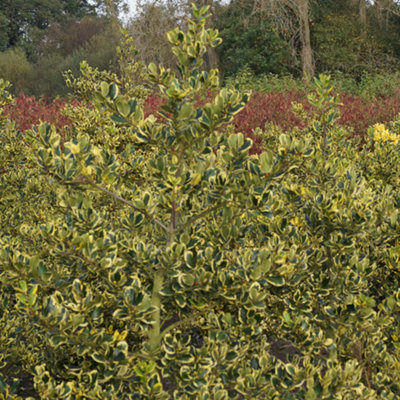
(149, 26)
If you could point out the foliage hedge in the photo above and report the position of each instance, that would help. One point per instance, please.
(171, 264)
(357, 111)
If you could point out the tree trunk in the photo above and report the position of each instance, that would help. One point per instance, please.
(212, 55)
(379, 12)
(382, 10)
(362, 14)
(306, 50)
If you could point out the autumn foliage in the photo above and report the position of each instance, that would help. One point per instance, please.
(262, 109)
(27, 111)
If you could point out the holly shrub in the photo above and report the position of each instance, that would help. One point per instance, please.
(171, 264)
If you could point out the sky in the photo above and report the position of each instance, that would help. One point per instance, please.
(131, 4)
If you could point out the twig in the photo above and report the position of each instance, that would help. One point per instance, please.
(195, 218)
(84, 179)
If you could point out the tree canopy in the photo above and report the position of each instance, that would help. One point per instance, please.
(298, 37)
(19, 17)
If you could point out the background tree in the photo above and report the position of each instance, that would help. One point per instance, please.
(347, 40)
(23, 15)
(3, 32)
(212, 56)
(292, 17)
(384, 9)
(15, 66)
(55, 36)
(362, 14)
(148, 28)
(249, 40)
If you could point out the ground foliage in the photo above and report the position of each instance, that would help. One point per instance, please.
(175, 265)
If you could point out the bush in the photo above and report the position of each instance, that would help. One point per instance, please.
(215, 275)
(99, 51)
(368, 86)
(15, 68)
(27, 111)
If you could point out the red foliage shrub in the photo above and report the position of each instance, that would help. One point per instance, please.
(355, 113)
(27, 111)
(269, 107)
(360, 114)
(262, 108)
(152, 105)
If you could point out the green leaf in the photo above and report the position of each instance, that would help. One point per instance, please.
(57, 341)
(221, 336)
(123, 107)
(189, 259)
(34, 261)
(118, 119)
(22, 298)
(152, 68)
(184, 358)
(97, 312)
(166, 292)
(286, 317)
(113, 91)
(23, 286)
(104, 87)
(99, 97)
(42, 270)
(3, 384)
(275, 280)
(188, 280)
(266, 162)
(99, 358)
(186, 111)
(180, 300)
(221, 394)
(32, 296)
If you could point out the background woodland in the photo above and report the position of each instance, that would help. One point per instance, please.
(39, 40)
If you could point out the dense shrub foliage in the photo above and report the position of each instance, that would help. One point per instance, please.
(151, 257)
(374, 100)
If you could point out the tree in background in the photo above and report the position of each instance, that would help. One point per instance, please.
(70, 36)
(154, 17)
(251, 41)
(14, 65)
(362, 16)
(386, 27)
(285, 19)
(347, 37)
(278, 36)
(24, 15)
(212, 57)
(67, 52)
(326, 35)
(384, 9)
(3, 32)
(336, 35)
(292, 17)
(52, 36)
(148, 28)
